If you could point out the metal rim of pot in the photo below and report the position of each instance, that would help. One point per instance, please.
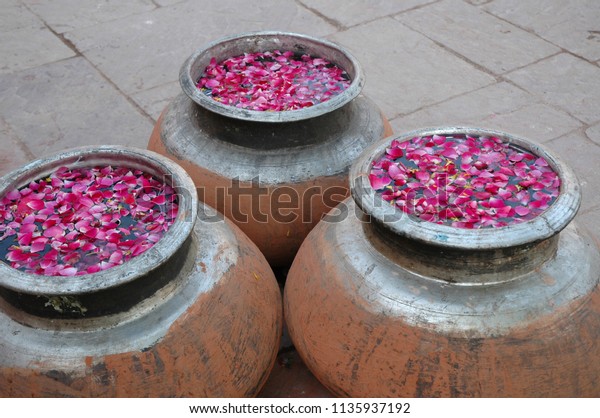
(545, 225)
(138, 266)
(234, 45)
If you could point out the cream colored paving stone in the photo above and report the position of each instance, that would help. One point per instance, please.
(25, 41)
(478, 36)
(154, 100)
(406, 71)
(501, 106)
(146, 50)
(564, 81)
(593, 133)
(29, 47)
(590, 220)
(68, 104)
(16, 16)
(14, 155)
(573, 25)
(66, 15)
(583, 156)
(353, 12)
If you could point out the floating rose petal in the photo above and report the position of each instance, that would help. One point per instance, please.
(53, 232)
(450, 153)
(395, 172)
(116, 257)
(159, 200)
(25, 239)
(13, 195)
(68, 271)
(38, 246)
(394, 152)
(379, 183)
(91, 232)
(32, 203)
(522, 210)
(17, 255)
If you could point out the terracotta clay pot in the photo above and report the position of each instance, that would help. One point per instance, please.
(273, 173)
(405, 308)
(198, 314)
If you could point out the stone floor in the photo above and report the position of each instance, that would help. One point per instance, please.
(77, 72)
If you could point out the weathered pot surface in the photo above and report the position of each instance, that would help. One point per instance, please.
(273, 173)
(157, 325)
(403, 307)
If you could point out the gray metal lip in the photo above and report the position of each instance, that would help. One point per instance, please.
(545, 225)
(138, 266)
(267, 40)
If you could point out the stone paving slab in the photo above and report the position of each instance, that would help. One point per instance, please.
(406, 71)
(589, 220)
(593, 133)
(66, 15)
(13, 154)
(480, 37)
(353, 12)
(573, 25)
(501, 106)
(25, 41)
(68, 104)
(30, 47)
(16, 16)
(583, 156)
(154, 100)
(565, 81)
(166, 2)
(146, 50)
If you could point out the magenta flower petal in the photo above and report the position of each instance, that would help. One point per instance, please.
(116, 257)
(17, 255)
(38, 246)
(450, 153)
(53, 232)
(496, 203)
(422, 176)
(538, 204)
(13, 195)
(69, 271)
(395, 172)
(86, 201)
(378, 183)
(25, 239)
(482, 195)
(159, 200)
(394, 152)
(34, 204)
(27, 228)
(522, 210)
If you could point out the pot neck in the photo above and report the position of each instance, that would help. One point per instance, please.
(111, 300)
(266, 136)
(460, 266)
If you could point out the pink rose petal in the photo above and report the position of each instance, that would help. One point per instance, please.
(378, 183)
(522, 210)
(53, 232)
(69, 271)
